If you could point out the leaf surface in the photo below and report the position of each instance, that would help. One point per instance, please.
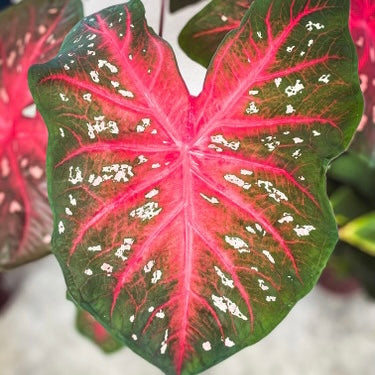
(190, 226)
(30, 33)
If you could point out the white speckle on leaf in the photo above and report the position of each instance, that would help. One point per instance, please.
(101, 125)
(206, 346)
(63, 97)
(273, 193)
(303, 230)
(228, 342)
(148, 267)
(289, 109)
(143, 125)
(68, 211)
(151, 309)
(287, 218)
(224, 279)
(164, 345)
(295, 89)
(94, 76)
(126, 93)
(125, 246)
(87, 97)
(290, 48)
(88, 272)
(270, 298)
(253, 92)
(246, 172)
(225, 304)
(112, 68)
(72, 200)
(297, 140)
(262, 285)
(107, 268)
(296, 154)
(259, 33)
(324, 78)
(311, 25)
(278, 81)
(250, 229)
(95, 248)
(156, 165)
(315, 133)
(134, 337)
(224, 18)
(310, 43)
(62, 133)
(160, 314)
(269, 256)
(219, 139)
(75, 179)
(61, 227)
(152, 193)
(252, 108)
(156, 276)
(132, 318)
(212, 200)
(233, 179)
(238, 244)
(147, 211)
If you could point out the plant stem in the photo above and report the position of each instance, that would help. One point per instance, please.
(161, 22)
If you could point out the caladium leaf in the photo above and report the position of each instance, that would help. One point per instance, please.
(30, 32)
(190, 226)
(204, 32)
(175, 5)
(362, 27)
(93, 330)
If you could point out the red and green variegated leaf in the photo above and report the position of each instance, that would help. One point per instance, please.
(93, 330)
(202, 35)
(175, 5)
(362, 27)
(30, 33)
(197, 223)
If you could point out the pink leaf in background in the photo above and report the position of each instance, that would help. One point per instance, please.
(30, 32)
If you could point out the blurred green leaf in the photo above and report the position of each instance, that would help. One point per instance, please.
(352, 170)
(347, 205)
(360, 232)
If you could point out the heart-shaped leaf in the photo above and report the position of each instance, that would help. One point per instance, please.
(362, 28)
(204, 32)
(189, 227)
(88, 326)
(30, 32)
